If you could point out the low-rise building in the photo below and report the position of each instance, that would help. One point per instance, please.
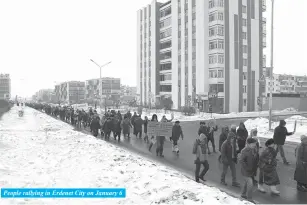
(72, 92)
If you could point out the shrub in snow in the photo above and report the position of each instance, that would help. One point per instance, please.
(188, 110)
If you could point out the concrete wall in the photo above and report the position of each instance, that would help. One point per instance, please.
(4, 107)
(303, 104)
(281, 103)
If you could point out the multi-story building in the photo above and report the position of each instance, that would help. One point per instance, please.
(128, 91)
(210, 50)
(110, 87)
(287, 84)
(5, 86)
(44, 95)
(70, 92)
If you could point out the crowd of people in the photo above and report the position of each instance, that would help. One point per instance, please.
(236, 145)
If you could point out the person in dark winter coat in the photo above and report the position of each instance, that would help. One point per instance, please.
(107, 128)
(203, 129)
(242, 135)
(300, 174)
(280, 134)
(132, 122)
(126, 125)
(248, 161)
(201, 156)
(211, 130)
(117, 128)
(138, 126)
(95, 125)
(176, 134)
(229, 157)
(267, 164)
(145, 129)
(223, 138)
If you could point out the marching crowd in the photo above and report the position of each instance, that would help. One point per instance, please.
(236, 145)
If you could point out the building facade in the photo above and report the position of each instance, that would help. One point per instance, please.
(128, 91)
(287, 84)
(209, 51)
(5, 86)
(72, 92)
(44, 95)
(110, 87)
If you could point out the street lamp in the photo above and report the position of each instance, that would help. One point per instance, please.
(100, 81)
(272, 63)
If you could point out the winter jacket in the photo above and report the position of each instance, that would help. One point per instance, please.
(200, 149)
(256, 138)
(176, 132)
(242, 134)
(133, 119)
(145, 126)
(300, 174)
(203, 130)
(126, 125)
(211, 131)
(95, 125)
(280, 133)
(108, 126)
(228, 149)
(249, 162)
(268, 164)
(223, 137)
(117, 126)
(138, 123)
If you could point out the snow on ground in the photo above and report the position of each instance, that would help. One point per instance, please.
(262, 124)
(39, 151)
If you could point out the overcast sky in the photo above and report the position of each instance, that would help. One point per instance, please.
(43, 42)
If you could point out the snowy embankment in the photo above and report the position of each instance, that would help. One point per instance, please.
(262, 124)
(39, 151)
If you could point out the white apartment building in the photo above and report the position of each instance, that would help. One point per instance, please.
(5, 86)
(205, 50)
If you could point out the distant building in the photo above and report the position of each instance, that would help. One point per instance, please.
(44, 95)
(72, 92)
(5, 86)
(128, 91)
(288, 84)
(110, 87)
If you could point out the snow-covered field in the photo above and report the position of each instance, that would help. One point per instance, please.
(262, 124)
(39, 151)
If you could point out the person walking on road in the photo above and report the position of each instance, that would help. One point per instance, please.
(138, 125)
(229, 157)
(248, 161)
(280, 134)
(200, 151)
(161, 139)
(132, 122)
(154, 118)
(300, 174)
(242, 135)
(223, 138)
(267, 163)
(176, 134)
(211, 129)
(145, 129)
(203, 129)
(126, 125)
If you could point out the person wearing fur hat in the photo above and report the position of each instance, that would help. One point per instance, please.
(223, 138)
(267, 163)
(248, 161)
(176, 134)
(229, 157)
(201, 156)
(280, 134)
(300, 174)
(253, 135)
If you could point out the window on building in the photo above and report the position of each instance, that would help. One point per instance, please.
(166, 33)
(212, 59)
(221, 58)
(245, 62)
(244, 89)
(166, 22)
(220, 16)
(213, 74)
(244, 76)
(244, 35)
(244, 22)
(245, 48)
(244, 102)
(211, 4)
(220, 74)
(244, 9)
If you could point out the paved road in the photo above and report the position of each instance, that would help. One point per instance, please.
(184, 163)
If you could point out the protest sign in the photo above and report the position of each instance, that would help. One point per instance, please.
(159, 129)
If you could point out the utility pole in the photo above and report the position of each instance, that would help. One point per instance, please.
(272, 66)
(100, 83)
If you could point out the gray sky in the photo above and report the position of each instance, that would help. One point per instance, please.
(43, 42)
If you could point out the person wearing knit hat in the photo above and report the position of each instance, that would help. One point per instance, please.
(248, 161)
(268, 168)
(229, 157)
(300, 175)
(201, 156)
(280, 134)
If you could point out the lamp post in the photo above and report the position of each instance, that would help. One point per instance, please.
(272, 64)
(100, 81)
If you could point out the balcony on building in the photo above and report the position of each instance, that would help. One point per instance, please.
(165, 11)
(166, 46)
(166, 67)
(165, 89)
(165, 57)
(165, 79)
(263, 5)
